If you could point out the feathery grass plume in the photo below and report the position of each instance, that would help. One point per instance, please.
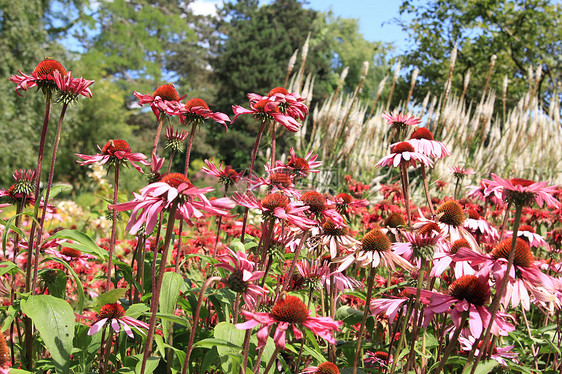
(396, 75)
(465, 83)
(412, 85)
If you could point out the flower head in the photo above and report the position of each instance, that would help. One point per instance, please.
(115, 315)
(289, 311)
(70, 88)
(115, 152)
(165, 99)
(404, 153)
(291, 104)
(42, 76)
(399, 121)
(197, 111)
(227, 175)
(423, 142)
(323, 368)
(266, 110)
(459, 172)
(175, 138)
(523, 191)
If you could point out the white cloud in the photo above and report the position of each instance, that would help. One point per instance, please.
(205, 7)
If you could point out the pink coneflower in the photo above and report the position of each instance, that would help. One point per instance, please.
(378, 359)
(276, 181)
(242, 276)
(289, 311)
(468, 293)
(299, 167)
(417, 247)
(22, 190)
(481, 193)
(324, 368)
(423, 142)
(115, 151)
(399, 121)
(165, 99)
(404, 153)
(197, 111)
(71, 255)
(478, 225)
(459, 172)
(175, 138)
(291, 104)
(227, 175)
(70, 88)
(528, 234)
(374, 250)
(524, 276)
(498, 354)
(445, 258)
(390, 307)
(172, 188)
(276, 205)
(523, 191)
(336, 238)
(115, 315)
(321, 208)
(266, 110)
(42, 76)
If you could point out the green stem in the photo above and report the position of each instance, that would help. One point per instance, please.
(452, 343)
(366, 313)
(113, 229)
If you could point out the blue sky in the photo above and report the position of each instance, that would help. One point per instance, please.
(375, 16)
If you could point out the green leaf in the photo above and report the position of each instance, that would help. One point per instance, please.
(171, 285)
(57, 283)
(486, 367)
(151, 365)
(79, 285)
(213, 342)
(81, 242)
(110, 297)
(9, 266)
(136, 310)
(55, 190)
(54, 319)
(348, 315)
(12, 227)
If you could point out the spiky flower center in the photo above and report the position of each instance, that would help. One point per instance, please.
(4, 352)
(347, 199)
(280, 179)
(458, 244)
(315, 201)
(290, 309)
(402, 147)
(429, 228)
(469, 288)
(275, 200)
(236, 281)
(422, 133)
(277, 90)
(115, 145)
(114, 310)
(260, 106)
(48, 67)
(521, 182)
(450, 213)
(327, 368)
(473, 214)
(175, 179)
(195, 102)
(331, 229)
(523, 256)
(527, 228)
(394, 220)
(299, 164)
(376, 240)
(383, 356)
(70, 252)
(167, 92)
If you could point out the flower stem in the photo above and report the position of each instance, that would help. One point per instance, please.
(113, 229)
(426, 189)
(366, 313)
(204, 287)
(452, 343)
(405, 190)
(46, 201)
(494, 307)
(252, 162)
(158, 286)
(457, 185)
(417, 315)
(402, 335)
(293, 265)
(219, 221)
(188, 150)
(271, 361)
(157, 136)
(273, 135)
